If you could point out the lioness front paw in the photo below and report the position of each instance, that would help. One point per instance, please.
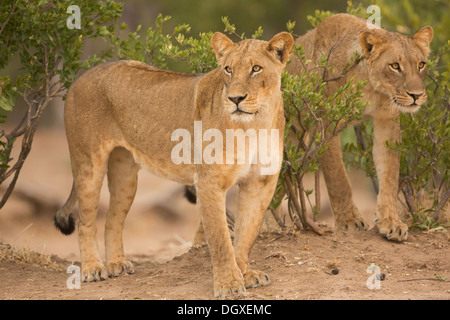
(116, 268)
(93, 271)
(392, 228)
(255, 278)
(352, 224)
(351, 219)
(222, 290)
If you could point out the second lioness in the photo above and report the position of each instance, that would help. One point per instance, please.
(122, 114)
(394, 66)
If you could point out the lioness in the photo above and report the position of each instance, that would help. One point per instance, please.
(122, 114)
(394, 66)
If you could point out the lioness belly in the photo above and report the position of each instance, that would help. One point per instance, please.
(163, 166)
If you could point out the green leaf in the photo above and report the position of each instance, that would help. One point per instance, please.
(6, 102)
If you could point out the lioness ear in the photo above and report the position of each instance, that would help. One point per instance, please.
(423, 39)
(368, 40)
(281, 46)
(220, 43)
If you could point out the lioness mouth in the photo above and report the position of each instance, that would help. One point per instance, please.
(242, 111)
(414, 104)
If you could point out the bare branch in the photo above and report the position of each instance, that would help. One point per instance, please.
(37, 103)
(317, 190)
(278, 218)
(442, 202)
(297, 207)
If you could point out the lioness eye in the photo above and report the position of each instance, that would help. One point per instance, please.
(256, 68)
(395, 66)
(422, 65)
(228, 69)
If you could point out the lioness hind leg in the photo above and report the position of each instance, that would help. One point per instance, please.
(190, 194)
(346, 214)
(122, 184)
(89, 171)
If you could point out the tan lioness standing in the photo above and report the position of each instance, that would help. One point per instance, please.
(394, 67)
(121, 115)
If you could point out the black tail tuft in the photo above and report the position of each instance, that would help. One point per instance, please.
(64, 224)
(190, 194)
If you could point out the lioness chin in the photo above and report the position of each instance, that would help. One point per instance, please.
(123, 114)
(394, 66)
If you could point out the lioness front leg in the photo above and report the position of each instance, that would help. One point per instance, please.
(227, 275)
(387, 164)
(254, 198)
(345, 212)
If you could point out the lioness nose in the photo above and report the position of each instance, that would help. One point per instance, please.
(415, 96)
(237, 100)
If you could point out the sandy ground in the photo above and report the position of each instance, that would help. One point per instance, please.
(158, 234)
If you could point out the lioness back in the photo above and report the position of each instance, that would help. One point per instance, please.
(121, 93)
(338, 33)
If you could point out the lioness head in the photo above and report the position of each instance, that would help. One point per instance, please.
(397, 65)
(251, 72)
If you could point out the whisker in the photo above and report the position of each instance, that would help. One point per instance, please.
(394, 107)
(390, 105)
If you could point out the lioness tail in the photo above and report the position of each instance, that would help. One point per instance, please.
(63, 219)
(191, 194)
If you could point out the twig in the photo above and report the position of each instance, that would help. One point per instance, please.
(362, 144)
(405, 187)
(278, 219)
(301, 192)
(297, 219)
(334, 46)
(346, 70)
(9, 17)
(353, 251)
(409, 198)
(317, 191)
(424, 279)
(441, 205)
(343, 73)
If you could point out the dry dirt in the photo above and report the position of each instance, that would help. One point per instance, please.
(157, 239)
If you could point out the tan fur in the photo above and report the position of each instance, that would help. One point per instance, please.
(122, 114)
(389, 93)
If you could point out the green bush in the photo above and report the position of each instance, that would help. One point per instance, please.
(49, 58)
